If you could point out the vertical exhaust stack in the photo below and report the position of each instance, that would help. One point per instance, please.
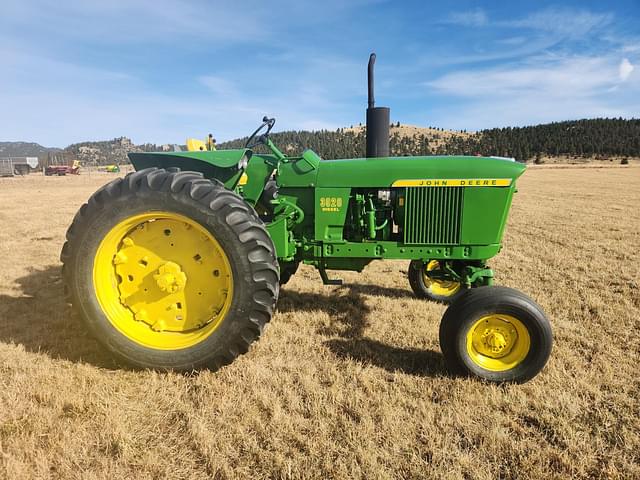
(377, 121)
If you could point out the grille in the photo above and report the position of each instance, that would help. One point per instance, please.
(433, 215)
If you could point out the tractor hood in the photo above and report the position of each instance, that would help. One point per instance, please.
(416, 171)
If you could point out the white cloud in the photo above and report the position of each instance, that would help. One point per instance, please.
(74, 103)
(543, 89)
(528, 110)
(190, 67)
(631, 47)
(219, 86)
(470, 18)
(625, 69)
(519, 40)
(558, 77)
(124, 21)
(566, 21)
(532, 34)
(159, 70)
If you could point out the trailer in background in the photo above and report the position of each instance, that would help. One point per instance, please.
(61, 170)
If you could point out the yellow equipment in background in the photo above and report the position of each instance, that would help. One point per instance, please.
(194, 145)
(109, 168)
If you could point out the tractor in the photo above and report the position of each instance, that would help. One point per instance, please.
(178, 265)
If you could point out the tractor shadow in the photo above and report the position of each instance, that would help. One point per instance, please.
(39, 319)
(349, 313)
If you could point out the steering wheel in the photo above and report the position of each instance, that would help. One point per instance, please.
(256, 139)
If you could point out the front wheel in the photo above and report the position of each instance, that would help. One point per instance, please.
(496, 333)
(424, 286)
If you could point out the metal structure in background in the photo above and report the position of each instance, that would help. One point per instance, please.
(6, 167)
(11, 166)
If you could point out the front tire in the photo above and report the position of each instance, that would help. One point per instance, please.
(170, 270)
(442, 291)
(496, 333)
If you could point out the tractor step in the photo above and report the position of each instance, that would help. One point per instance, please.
(326, 280)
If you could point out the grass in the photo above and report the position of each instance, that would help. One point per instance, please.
(347, 382)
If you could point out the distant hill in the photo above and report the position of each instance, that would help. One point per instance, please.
(436, 136)
(106, 152)
(102, 152)
(575, 140)
(579, 139)
(24, 149)
(350, 142)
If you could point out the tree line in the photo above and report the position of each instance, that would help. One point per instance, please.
(576, 138)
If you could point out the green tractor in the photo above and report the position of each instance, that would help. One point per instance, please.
(179, 264)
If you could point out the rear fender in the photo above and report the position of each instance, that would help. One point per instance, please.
(226, 166)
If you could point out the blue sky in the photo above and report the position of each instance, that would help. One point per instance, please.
(159, 71)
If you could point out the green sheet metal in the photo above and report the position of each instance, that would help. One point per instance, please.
(381, 172)
(219, 164)
(445, 207)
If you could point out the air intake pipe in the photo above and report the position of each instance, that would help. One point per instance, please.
(377, 121)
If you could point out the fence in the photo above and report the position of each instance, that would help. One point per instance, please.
(6, 167)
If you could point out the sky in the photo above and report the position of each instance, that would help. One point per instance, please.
(159, 71)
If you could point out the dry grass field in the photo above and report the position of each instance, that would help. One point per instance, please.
(347, 382)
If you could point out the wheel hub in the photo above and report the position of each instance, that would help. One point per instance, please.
(170, 278)
(171, 282)
(498, 342)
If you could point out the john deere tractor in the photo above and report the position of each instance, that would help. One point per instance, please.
(179, 264)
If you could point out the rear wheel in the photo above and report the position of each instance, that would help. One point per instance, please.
(170, 270)
(424, 286)
(495, 333)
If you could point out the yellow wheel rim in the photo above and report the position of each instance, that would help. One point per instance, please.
(162, 280)
(443, 288)
(498, 342)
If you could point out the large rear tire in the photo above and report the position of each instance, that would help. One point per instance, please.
(496, 333)
(170, 270)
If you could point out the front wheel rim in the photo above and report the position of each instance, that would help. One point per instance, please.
(441, 288)
(162, 280)
(498, 342)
